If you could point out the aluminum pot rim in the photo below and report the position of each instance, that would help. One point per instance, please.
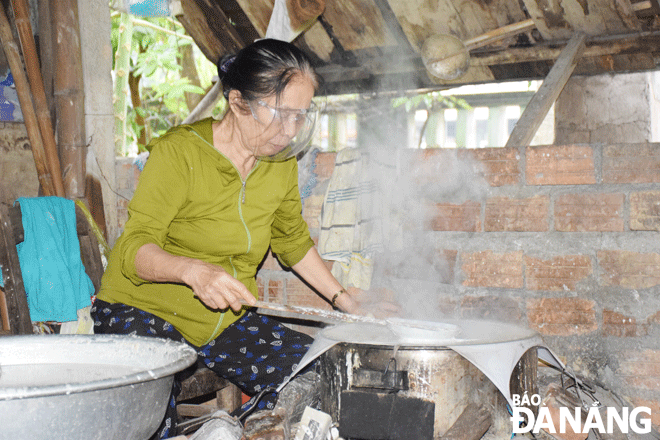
(187, 357)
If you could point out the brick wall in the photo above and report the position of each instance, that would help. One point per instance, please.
(565, 241)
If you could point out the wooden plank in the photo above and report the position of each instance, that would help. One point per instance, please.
(420, 19)
(18, 310)
(559, 19)
(4, 312)
(547, 94)
(259, 12)
(358, 24)
(472, 424)
(643, 44)
(196, 21)
(318, 41)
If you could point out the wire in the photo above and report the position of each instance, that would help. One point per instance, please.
(256, 400)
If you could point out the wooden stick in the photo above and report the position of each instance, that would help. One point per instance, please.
(26, 38)
(499, 33)
(311, 314)
(525, 129)
(25, 100)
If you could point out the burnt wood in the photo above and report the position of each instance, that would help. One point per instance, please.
(472, 424)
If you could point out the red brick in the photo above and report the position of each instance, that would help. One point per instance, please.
(560, 165)
(561, 316)
(491, 307)
(298, 294)
(517, 215)
(500, 166)
(631, 163)
(276, 291)
(640, 369)
(325, 164)
(486, 269)
(557, 274)
(645, 211)
(270, 262)
(620, 325)
(483, 167)
(628, 269)
(450, 217)
(589, 213)
(260, 288)
(437, 266)
(654, 406)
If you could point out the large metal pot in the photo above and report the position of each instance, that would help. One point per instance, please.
(86, 386)
(408, 379)
(377, 392)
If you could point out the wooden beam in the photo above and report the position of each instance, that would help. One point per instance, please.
(472, 424)
(547, 94)
(642, 42)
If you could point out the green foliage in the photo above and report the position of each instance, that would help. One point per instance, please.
(156, 54)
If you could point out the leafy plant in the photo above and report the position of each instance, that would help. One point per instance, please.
(157, 85)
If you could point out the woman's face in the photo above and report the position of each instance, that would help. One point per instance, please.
(271, 125)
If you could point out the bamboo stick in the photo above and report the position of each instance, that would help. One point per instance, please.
(25, 100)
(122, 66)
(69, 96)
(26, 38)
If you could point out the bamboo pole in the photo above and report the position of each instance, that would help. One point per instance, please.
(25, 100)
(26, 38)
(122, 91)
(69, 96)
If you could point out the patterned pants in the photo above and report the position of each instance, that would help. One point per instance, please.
(254, 353)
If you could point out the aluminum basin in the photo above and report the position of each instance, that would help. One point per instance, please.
(86, 386)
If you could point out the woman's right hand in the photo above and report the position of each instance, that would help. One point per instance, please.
(215, 287)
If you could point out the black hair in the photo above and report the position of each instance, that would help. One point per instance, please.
(263, 68)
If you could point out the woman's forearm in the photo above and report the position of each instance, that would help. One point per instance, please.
(154, 264)
(210, 282)
(312, 269)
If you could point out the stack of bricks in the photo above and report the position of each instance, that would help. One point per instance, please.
(566, 242)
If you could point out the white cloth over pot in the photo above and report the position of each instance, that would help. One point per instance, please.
(493, 347)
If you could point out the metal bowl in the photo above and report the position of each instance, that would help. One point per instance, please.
(86, 386)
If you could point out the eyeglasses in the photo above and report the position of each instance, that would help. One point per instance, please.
(266, 114)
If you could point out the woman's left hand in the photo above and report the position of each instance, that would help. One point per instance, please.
(375, 304)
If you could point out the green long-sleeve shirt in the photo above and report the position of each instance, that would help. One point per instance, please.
(191, 201)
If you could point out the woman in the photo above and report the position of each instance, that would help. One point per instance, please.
(213, 196)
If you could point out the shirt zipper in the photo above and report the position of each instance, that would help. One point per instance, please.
(240, 214)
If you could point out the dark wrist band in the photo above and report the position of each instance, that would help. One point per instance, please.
(335, 296)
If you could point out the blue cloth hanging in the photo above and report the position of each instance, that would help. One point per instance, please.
(53, 274)
(149, 8)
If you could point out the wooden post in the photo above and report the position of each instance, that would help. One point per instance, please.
(547, 94)
(46, 53)
(24, 28)
(25, 100)
(69, 102)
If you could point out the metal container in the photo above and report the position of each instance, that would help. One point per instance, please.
(414, 379)
(421, 390)
(86, 386)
